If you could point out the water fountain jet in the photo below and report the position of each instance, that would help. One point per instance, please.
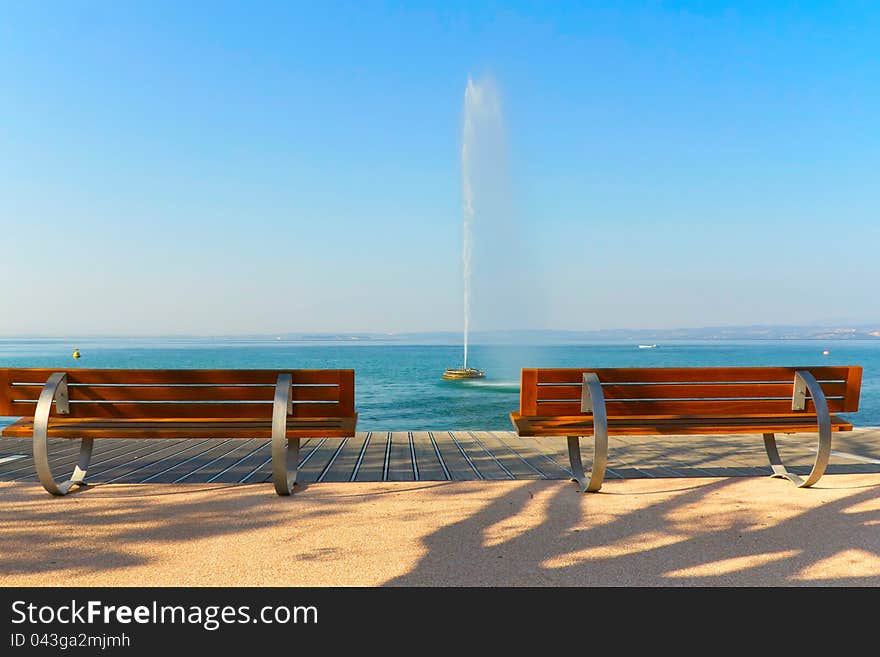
(482, 119)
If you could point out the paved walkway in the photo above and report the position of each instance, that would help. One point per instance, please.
(719, 531)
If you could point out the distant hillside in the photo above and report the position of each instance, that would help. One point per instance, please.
(715, 333)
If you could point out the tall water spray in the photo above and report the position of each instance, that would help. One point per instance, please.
(467, 194)
(481, 140)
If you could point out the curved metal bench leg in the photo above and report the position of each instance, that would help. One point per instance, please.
(804, 381)
(592, 401)
(44, 471)
(285, 453)
(781, 472)
(779, 469)
(284, 467)
(592, 482)
(55, 391)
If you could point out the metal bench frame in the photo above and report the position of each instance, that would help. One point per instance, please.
(593, 402)
(285, 452)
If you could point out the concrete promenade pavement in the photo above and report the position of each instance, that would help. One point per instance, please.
(717, 531)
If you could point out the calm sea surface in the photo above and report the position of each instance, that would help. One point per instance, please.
(398, 386)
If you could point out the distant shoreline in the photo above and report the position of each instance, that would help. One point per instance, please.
(862, 333)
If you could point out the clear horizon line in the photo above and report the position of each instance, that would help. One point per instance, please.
(354, 334)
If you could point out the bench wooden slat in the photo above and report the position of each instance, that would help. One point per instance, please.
(186, 409)
(688, 374)
(103, 392)
(688, 407)
(166, 377)
(685, 391)
(645, 426)
(327, 427)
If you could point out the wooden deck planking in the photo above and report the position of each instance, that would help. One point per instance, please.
(343, 466)
(550, 453)
(740, 458)
(372, 466)
(185, 449)
(530, 459)
(308, 448)
(179, 469)
(673, 456)
(65, 459)
(217, 466)
(512, 463)
(486, 463)
(136, 457)
(59, 451)
(742, 461)
(530, 454)
(318, 461)
(259, 458)
(428, 463)
(117, 454)
(456, 464)
(438, 456)
(638, 459)
(340, 445)
(400, 458)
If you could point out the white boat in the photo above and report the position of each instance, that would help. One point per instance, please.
(647, 346)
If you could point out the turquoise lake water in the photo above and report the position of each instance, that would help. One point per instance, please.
(398, 386)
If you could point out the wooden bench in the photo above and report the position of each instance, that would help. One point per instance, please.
(706, 400)
(85, 404)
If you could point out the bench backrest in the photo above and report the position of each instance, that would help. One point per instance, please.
(686, 391)
(115, 393)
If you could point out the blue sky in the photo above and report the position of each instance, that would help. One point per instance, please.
(221, 168)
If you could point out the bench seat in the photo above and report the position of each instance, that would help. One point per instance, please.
(656, 425)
